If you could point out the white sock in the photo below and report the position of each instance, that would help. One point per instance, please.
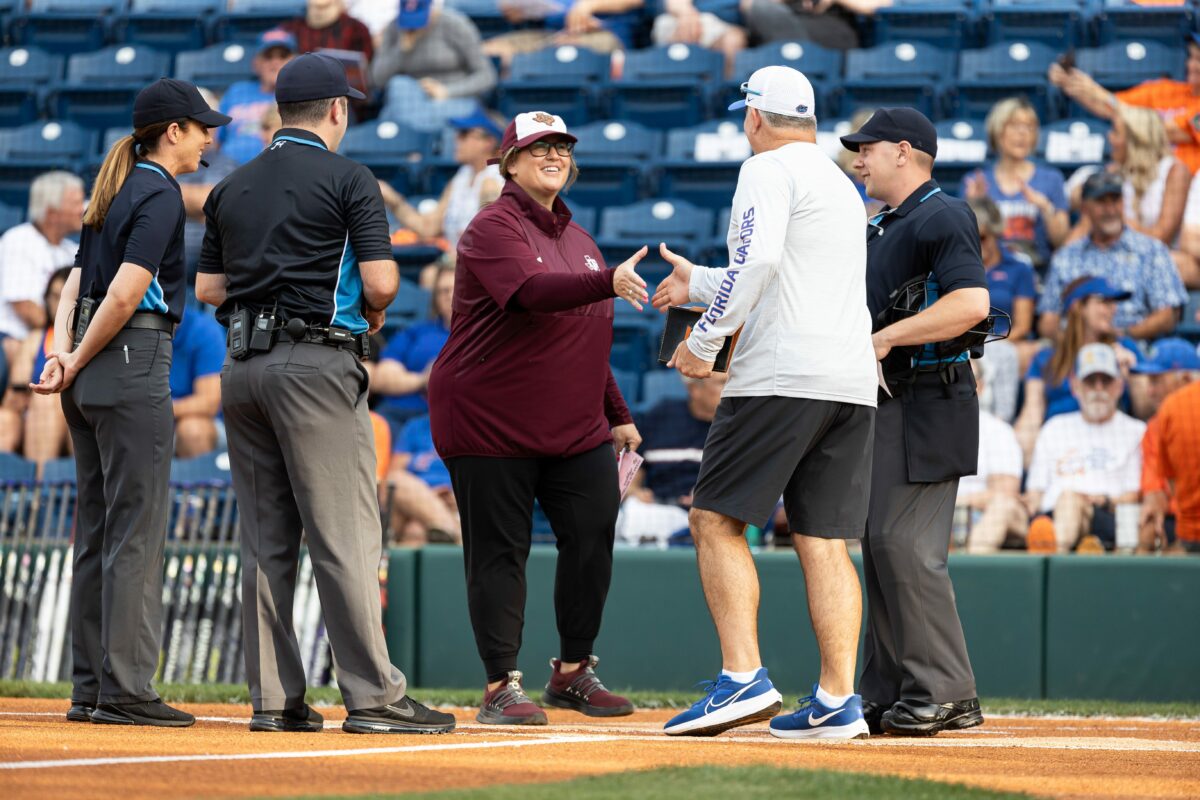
(831, 701)
(741, 677)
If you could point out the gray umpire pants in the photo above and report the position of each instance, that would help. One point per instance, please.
(122, 425)
(914, 648)
(302, 454)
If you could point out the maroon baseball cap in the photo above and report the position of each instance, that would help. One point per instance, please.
(527, 128)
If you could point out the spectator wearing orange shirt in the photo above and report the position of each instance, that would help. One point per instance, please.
(1177, 102)
(1174, 364)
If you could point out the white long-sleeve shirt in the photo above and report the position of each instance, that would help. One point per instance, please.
(796, 278)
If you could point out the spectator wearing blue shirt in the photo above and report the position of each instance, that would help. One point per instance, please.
(1137, 264)
(196, 383)
(1091, 304)
(423, 506)
(1010, 278)
(247, 102)
(402, 373)
(1029, 194)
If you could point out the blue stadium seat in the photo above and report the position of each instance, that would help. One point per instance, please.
(1071, 143)
(945, 23)
(59, 470)
(612, 159)
(628, 381)
(664, 87)
(389, 149)
(10, 217)
(170, 25)
(820, 65)
(662, 384)
(209, 468)
(583, 216)
(1188, 327)
(25, 72)
(406, 102)
(902, 73)
(247, 19)
(216, 67)
(1002, 70)
(1057, 22)
(485, 14)
(47, 141)
(15, 469)
(562, 80)
(411, 304)
(703, 163)
(65, 26)
(962, 148)
(1120, 65)
(100, 87)
(685, 228)
(1122, 19)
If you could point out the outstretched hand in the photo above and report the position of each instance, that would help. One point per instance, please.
(675, 288)
(627, 284)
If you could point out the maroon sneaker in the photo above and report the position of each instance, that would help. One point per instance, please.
(508, 704)
(583, 691)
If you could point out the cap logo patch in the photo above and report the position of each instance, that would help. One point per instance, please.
(543, 118)
(801, 109)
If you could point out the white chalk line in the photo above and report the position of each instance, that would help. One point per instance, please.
(289, 754)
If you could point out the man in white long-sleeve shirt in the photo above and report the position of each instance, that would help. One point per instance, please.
(797, 417)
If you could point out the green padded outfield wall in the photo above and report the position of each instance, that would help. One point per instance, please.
(657, 633)
(1123, 628)
(400, 618)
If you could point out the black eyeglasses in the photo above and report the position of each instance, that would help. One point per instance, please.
(540, 149)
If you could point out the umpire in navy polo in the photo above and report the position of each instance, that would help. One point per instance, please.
(297, 258)
(117, 315)
(917, 677)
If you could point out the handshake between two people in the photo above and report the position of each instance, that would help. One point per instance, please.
(674, 290)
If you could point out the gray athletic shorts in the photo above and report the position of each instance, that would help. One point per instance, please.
(816, 454)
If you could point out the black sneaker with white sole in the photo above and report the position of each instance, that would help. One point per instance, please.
(403, 716)
(292, 720)
(154, 713)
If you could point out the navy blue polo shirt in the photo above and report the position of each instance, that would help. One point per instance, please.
(290, 228)
(144, 226)
(930, 232)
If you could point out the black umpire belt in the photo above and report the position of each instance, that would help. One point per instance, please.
(149, 321)
(330, 337)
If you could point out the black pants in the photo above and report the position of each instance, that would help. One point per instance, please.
(123, 428)
(495, 500)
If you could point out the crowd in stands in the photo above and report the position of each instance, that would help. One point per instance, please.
(1091, 411)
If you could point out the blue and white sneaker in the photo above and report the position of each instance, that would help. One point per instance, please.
(728, 704)
(814, 720)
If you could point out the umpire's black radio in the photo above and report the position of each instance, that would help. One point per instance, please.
(83, 317)
(251, 333)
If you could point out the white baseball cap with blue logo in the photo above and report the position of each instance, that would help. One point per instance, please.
(778, 90)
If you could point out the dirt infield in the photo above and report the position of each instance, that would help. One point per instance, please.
(43, 756)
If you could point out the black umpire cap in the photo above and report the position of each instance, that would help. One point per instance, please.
(313, 76)
(168, 99)
(896, 125)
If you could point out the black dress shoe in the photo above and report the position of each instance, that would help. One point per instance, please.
(291, 720)
(907, 718)
(403, 716)
(80, 711)
(873, 714)
(155, 713)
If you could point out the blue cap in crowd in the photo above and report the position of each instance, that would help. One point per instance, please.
(478, 118)
(414, 14)
(313, 76)
(1094, 287)
(1103, 184)
(1170, 355)
(277, 37)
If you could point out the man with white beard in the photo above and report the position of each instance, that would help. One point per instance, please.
(1088, 462)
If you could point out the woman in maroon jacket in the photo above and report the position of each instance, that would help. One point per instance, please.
(523, 405)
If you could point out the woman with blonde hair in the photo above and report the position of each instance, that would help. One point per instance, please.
(1089, 303)
(1156, 182)
(1029, 193)
(112, 365)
